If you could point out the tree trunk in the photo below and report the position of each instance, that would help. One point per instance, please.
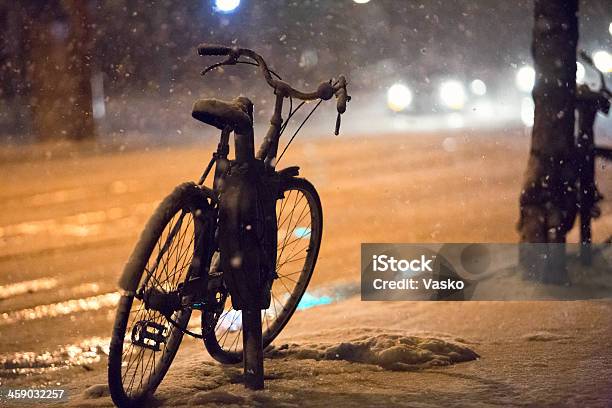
(59, 70)
(548, 198)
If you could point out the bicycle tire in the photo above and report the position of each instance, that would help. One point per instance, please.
(232, 354)
(187, 200)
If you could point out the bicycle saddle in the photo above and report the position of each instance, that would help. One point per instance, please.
(238, 114)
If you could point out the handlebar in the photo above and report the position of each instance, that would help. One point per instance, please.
(341, 94)
(602, 79)
(213, 49)
(324, 91)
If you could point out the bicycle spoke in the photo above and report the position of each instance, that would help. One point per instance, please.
(236, 340)
(297, 233)
(166, 267)
(164, 249)
(304, 235)
(300, 218)
(289, 232)
(282, 206)
(289, 274)
(291, 260)
(285, 286)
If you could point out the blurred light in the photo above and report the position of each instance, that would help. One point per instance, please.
(226, 6)
(603, 61)
(527, 111)
(361, 1)
(452, 94)
(449, 144)
(580, 72)
(233, 323)
(525, 78)
(610, 29)
(309, 300)
(60, 31)
(308, 59)
(399, 97)
(98, 109)
(478, 87)
(301, 232)
(97, 95)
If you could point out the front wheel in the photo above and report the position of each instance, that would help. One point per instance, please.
(299, 220)
(144, 341)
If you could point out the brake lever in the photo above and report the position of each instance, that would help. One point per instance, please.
(338, 120)
(341, 110)
(230, 60)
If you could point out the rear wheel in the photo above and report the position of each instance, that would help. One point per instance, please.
(144, 341)
(300, 225)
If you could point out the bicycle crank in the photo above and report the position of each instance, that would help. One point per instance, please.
(162, 302)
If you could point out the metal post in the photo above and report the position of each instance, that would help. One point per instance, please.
(253, 350)
(586, 172)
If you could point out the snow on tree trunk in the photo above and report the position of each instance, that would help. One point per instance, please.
(548, 198)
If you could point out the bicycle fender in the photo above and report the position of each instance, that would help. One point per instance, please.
(288, 172)
(202, 198)
(246, 261)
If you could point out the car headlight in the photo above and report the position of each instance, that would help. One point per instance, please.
(399, 97)
(478, 87)
(603, 61)
(452, 94)
(525, 78)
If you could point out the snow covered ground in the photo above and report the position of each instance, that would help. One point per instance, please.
(544, 354)
(68, 221)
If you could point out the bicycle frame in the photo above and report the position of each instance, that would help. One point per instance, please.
(249, 197)
(269, 147)
(244, 153)
(235, 230)
(588, 103)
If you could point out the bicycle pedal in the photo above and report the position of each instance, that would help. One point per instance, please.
(149, 335)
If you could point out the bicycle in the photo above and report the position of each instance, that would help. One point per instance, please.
(588, 103)
(241, 252)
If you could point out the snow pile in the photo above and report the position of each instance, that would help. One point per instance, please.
(96, 391)
(545, 336)
(391, 351)
(293, 367)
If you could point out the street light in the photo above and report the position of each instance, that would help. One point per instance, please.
(226, 6)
